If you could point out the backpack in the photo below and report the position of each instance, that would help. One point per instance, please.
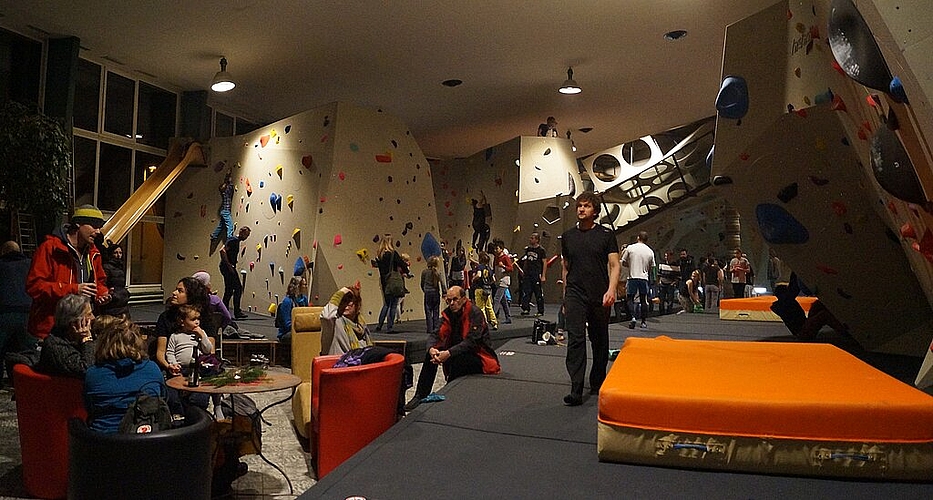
(147, 414)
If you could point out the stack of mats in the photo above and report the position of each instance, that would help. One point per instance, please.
(756, 308)
(788, 408)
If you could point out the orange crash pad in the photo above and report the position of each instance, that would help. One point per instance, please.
(756, 308)
(763, 407)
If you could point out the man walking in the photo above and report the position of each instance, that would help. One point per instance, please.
(589, 292)
(639, 259)
(232, 285)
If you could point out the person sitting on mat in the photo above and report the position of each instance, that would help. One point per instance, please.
(461, 345)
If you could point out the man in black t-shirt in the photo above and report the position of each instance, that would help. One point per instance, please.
(232, 285)
(534, 272)
(589, 292)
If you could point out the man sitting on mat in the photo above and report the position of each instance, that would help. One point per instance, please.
(461, 345)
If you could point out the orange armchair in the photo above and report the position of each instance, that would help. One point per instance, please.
(350, 407)
(44, 404)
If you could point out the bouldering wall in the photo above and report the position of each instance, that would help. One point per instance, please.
(799, 162)
(496, 171)
(317, 189)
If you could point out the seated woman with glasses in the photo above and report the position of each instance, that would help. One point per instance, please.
(68, 351)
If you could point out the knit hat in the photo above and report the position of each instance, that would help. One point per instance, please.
(203, 277)
(88, 214)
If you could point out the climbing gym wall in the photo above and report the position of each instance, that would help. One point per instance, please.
(797, 164)
(317, 189)
(497, 172)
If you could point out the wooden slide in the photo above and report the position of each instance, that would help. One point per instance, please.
(123, 220)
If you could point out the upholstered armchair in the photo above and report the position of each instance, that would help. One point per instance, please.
(44, 404)
(175, 463)
(306, 345)
(350, 407)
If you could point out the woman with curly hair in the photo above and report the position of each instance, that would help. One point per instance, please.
(189, 290)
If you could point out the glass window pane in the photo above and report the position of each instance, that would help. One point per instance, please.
(118, 115)
(155, 118)
(243, 126)
(85, 161)
(20, 62)
(223, 125)
(145, 255)
(145, 164)
(87, 95)
(114, 179)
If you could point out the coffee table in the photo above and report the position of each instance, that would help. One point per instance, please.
(271, 381)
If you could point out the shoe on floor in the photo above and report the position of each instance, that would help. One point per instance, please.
(411, 405)
(631, 325)
(572, 400)
(525, 313)
(241, 315)
(644, 324)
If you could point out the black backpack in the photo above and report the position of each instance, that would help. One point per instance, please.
(148, 413)
(279, 320)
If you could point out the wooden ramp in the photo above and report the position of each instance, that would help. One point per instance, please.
(179, 157)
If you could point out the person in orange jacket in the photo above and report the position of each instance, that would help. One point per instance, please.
(66, 262)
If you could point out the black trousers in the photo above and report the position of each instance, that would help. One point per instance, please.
(586, 319)
(532, 285)
(232, 288)
(457, 366)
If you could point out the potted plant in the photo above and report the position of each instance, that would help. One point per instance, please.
(35, 163)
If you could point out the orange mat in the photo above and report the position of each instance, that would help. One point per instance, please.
(763, 407)
(756, 308)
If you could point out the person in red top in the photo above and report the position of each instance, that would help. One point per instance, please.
(503, 271)
(460, 345)
(66, 262)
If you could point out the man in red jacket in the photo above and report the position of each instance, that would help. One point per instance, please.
(460, 345)
(66, 262)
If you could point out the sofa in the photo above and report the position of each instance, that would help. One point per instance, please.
(350, 407)
(306, 345)
(44, 404)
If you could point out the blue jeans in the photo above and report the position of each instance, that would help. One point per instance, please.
(225, 220)
(637, 287)
(432, 311)
(389, 307)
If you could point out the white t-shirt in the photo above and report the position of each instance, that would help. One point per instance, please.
(640, 260)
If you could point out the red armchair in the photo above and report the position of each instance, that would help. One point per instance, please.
(350, 407)
(43, 406)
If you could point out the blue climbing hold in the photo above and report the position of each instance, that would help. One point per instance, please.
(732, 101)
(779, 227)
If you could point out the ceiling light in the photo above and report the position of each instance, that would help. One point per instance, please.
(222, 81)
(570, 85)
(675, 35)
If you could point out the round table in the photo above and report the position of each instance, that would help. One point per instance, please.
(271, 381)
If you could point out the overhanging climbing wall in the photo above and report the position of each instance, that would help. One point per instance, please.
(800, 168)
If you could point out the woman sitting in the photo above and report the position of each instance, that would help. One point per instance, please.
(341, 320)
(68, 351)
(188, 291)
(120, 373)
(294, 297)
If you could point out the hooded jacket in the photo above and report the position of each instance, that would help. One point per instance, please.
(110, 387)
(54, 274)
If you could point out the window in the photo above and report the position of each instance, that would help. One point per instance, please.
(146, 163)
(118, 113)
(223, 125)
(243, 126)
(85, 162)
(113, 184)
(155, 117)
(145, 255)
(20, 61)
(87, 96)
